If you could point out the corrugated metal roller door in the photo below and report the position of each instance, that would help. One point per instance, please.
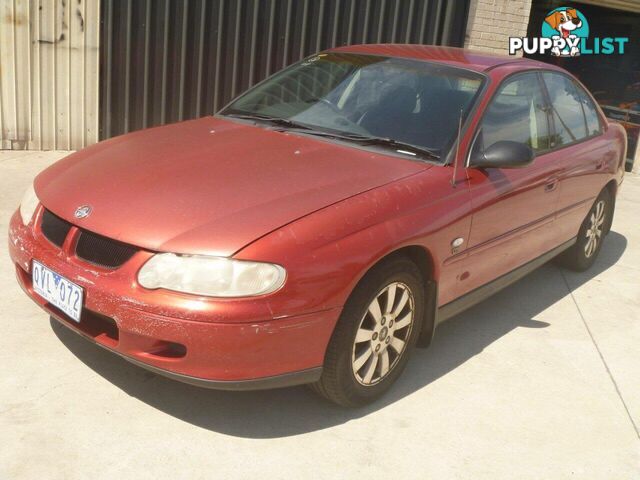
(168, 60)
(48, 74)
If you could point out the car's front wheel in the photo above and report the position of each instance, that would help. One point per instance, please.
(375, 334)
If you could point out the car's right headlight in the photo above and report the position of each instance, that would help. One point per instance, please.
(28, 205)
(210, 276)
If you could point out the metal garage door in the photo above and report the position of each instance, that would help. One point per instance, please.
(167, 60)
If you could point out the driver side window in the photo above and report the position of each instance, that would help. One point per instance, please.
(516, 113)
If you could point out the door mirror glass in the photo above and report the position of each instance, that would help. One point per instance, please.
(504, 154)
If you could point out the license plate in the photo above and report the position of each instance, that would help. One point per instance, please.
(57, 290)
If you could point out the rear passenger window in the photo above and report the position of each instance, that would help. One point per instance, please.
(566, 109)
(590, 112)
(516, 113)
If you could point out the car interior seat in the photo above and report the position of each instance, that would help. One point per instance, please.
(393, 114)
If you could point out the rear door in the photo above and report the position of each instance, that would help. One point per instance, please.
(513, 208)
(584, 156)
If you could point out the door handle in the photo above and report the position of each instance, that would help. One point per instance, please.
(551, 185)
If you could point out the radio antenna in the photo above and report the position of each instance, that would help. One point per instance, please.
(455, 159)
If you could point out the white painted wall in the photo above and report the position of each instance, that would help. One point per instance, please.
(49, 74)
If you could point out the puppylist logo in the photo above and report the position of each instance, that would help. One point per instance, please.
(566, 28)
(565, 33)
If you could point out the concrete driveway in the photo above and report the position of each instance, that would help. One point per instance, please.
(541, 381)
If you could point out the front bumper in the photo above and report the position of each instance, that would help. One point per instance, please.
(180, 336)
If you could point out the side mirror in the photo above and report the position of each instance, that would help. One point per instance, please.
(504, 154)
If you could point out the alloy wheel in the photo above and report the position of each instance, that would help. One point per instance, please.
(383, 334)
(594, 232)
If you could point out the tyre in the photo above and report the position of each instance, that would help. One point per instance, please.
(594, 228)
(376, 332)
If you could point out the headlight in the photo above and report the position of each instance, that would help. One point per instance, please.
(210, 276)
(28, 205)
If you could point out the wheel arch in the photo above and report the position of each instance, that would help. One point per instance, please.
(422, 257)
(612, 188)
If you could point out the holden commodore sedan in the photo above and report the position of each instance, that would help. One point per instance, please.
(322, 224)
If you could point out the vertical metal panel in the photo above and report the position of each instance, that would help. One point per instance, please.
(167, 60)
(8, 77)
(49, 56)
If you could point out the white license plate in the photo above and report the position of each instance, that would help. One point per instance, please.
(57, 290)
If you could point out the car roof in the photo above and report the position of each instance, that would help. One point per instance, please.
(459, 57)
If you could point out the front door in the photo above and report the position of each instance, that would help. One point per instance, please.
(514, 208)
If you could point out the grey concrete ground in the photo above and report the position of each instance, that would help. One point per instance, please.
(541, 381)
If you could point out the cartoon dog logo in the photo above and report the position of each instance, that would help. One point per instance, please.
(565, 22)
(565, 33)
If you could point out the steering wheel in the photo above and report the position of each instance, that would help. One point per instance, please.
(342, 118)
(331, 105)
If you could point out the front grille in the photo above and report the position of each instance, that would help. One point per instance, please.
(91, 247)
(54, 228)
(103, 251)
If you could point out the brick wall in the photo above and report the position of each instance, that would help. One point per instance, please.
(492, 22)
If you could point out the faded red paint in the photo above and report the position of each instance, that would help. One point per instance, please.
(325, 212)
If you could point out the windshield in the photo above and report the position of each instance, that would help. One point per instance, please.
(363, 97)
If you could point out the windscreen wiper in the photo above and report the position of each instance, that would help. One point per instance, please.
(397, 145)
(283, 122)
(402, 147)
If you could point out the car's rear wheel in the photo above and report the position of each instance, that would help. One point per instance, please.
(592, 232)
(375, 334)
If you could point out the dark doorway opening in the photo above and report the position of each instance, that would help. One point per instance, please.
(614, 80)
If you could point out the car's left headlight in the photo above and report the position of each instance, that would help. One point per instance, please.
(28, 205)
(210, 276)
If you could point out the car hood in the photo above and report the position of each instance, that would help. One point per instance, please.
(208, 186)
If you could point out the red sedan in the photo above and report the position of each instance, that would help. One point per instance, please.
(323, 223)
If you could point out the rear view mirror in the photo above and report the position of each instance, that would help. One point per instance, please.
(504, 154)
